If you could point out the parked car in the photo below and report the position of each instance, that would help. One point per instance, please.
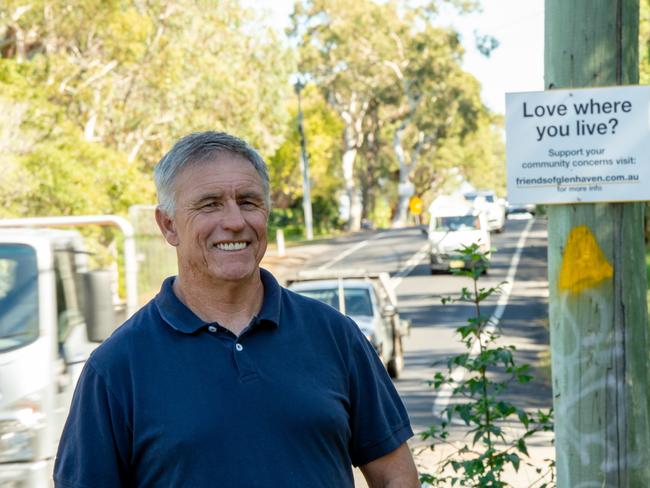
(455, 224)
(495, 208)
(368, 299)
(521, 208)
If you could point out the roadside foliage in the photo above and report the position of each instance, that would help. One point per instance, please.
(480, 382)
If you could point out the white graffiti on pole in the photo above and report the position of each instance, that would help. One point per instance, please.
(578, 145)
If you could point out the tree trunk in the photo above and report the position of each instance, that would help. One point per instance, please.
(597, 279)
(401, 213)
(349, 155)
(351, 190)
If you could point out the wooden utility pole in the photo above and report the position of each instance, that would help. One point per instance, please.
(597, 279)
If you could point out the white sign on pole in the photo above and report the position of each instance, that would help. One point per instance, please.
(578, 145)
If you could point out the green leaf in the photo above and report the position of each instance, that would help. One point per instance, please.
(521, 446)
(523, 417)
(515, 460)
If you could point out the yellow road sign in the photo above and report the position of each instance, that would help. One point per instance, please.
(415, 205)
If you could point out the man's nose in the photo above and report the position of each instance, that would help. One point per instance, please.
(232, 217)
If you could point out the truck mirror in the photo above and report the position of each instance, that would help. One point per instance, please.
(405, 327)
(389, 310)
(99, 312)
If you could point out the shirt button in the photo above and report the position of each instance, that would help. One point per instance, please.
(212, 328)
(239, 347)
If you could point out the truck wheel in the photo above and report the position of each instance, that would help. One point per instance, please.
(396, 363)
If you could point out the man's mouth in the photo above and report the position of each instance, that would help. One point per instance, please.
(231, 246)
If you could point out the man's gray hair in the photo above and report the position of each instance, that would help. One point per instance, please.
(201, 147)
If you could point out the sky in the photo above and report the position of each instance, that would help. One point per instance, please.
(516, 65)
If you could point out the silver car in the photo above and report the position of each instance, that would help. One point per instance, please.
(366, 298)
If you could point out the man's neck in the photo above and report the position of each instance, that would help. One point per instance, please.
(231, 304)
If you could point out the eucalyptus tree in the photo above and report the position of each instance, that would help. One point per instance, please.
(134, 74)
(390, 75)
(432, 98)
(322, 128)
(339, 45)
(127, 77)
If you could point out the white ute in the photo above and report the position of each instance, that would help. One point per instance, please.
(454, 224)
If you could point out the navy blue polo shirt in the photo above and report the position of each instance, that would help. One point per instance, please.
(171, 401)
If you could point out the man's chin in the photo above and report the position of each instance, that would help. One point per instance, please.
(235, 274)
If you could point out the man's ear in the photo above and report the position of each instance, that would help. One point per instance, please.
(167, 226)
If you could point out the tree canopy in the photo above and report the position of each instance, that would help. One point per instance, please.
(396, 82)
(101, 88)
(93, 92)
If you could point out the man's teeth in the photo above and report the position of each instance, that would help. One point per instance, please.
(231, 246)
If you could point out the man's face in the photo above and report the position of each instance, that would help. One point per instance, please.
(219, 227)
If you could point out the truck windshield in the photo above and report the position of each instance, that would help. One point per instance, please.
(452, 224)
(18, 296)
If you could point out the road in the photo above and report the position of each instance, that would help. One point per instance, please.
(403, 254)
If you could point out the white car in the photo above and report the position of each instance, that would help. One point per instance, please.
(453, 226)
(495, 208)
(366, 298)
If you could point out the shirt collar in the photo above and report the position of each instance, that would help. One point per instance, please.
(178, 316)
(270, 311)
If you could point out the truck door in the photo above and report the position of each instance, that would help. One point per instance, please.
(72, 344)
(68, 299)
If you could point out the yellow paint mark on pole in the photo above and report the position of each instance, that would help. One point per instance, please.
(584, 265)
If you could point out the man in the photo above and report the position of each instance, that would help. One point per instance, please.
(226, 379)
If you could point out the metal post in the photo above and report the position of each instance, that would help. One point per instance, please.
(130, 261)
(304, 169)
(279, 237)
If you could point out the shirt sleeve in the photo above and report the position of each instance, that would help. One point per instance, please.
(378, 418)
(94, 450)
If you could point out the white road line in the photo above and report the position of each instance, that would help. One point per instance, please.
(416, 259)
(395, 280)
(349, 251)
(343, 255)
(445, 393)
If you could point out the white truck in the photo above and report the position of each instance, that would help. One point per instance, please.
(455, 223)
(495, 208)
(53, 313)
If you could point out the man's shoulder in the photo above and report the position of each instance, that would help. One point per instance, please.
(312, 310)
